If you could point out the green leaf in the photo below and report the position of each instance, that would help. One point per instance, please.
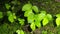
(21, 21)
(58, 15)
(41, 16)
(11, 18)
(1, 15)
(30, 19)
(20, 32)
(32, 26)
(7, 6)
(45, 21)
(27, 13)
(58, 21)
(49, 16)
(14, 16)
(26, 7)
(8, 13)
(35, 8)
(37, 23)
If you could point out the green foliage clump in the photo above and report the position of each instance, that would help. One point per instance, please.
(11, 16)
(35, 19)
(7, 6)
(58, 19)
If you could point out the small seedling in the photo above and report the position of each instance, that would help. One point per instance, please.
(21, 21)
(11, 16)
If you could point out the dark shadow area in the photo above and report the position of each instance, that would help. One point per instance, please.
(54, 21)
